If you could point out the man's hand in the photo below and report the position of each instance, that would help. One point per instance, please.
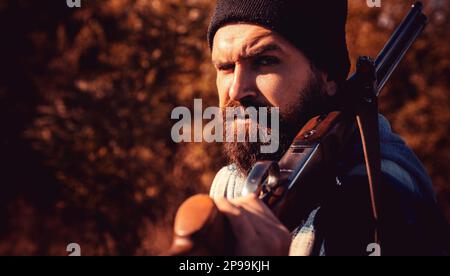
(257, 230)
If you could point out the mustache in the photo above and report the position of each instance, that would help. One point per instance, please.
(245, 103)
(251, 102)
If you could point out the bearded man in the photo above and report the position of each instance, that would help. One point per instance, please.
(293, 55)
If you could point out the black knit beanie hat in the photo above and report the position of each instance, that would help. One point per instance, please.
(316, 27)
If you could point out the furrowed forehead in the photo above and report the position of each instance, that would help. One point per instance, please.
(242, 41)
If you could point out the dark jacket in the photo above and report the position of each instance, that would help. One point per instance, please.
(410, 224)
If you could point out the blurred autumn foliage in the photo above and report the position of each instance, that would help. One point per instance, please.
(85, 102)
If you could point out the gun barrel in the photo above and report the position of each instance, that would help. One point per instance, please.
(400, 42)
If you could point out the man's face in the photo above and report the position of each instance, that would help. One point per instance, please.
(257, 67)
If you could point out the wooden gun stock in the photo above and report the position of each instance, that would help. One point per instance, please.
(201, 230)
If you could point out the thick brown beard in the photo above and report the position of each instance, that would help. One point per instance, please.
(313, 102)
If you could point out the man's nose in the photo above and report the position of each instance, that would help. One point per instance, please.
(243, 84)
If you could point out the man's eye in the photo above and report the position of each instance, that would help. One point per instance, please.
(266, 61)
(226, 67)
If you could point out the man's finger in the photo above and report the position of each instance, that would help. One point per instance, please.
(253, 204)
(236, 217)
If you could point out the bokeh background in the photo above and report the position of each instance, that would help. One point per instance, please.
(85, 102)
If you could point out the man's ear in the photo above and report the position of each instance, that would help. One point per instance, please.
(330, 85)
